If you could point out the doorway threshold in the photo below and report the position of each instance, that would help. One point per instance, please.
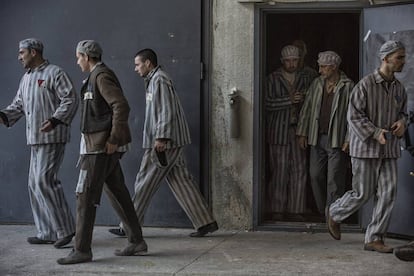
(308, 227)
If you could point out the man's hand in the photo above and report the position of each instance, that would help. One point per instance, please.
(297, 97)
(345, 147)
(381, 137)
(398, 128)
(46, 126)
(303, 142)
(110, 148)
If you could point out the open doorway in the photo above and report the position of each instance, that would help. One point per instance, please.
(321, 31)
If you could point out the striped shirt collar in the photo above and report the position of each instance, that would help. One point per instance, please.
(152, 73)
(379, 78)
(39, 68)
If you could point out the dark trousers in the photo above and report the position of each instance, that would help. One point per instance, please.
(103, 172)
(328, 172)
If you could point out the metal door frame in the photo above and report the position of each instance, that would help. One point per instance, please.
(258, 139)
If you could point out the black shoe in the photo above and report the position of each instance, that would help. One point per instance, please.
(76, 257)
(36, 240)
(64, 241)
(204, 230)
(117, 231)
(133, 249)
(405, 252)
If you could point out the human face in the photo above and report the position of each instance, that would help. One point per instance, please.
(142, 68)
(290, 64)
(327, 71)
(396, 60)
(27, 57)
(82, 61)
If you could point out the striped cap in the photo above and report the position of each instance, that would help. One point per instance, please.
(31, 43)
(90, 48)
(390, 47)
(329, 58)
(290, 51)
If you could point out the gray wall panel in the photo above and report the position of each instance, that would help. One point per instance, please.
(171, 28)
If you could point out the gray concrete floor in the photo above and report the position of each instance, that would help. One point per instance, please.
(172, 252)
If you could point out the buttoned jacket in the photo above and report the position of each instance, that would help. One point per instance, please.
(103, 99)
(278, 105)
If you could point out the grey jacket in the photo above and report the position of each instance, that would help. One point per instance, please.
(308, 124)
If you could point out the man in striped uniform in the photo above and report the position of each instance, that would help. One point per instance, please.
(165, 134)
(47, 99)
(377, 118)
(322, 125)
(286, 187)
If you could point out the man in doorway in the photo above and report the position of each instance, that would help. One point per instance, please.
(286, 187)
(47, 99)
(377, 118)
(165, 135)
(105, 137)
(322, 125)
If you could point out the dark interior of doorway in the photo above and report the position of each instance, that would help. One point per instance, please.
(321, 31)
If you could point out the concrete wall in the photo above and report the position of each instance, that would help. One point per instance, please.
(232, 158)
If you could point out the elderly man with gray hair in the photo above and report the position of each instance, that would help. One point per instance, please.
(322, 125)
(105, 137)
(377, 118)
(47, 99)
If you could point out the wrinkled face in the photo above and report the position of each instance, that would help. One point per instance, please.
(396, 60)
(290, 64)
(82, 61)
(326, 71)
(27, 57)
(142, 68)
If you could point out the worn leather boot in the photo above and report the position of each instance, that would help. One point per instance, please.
(334, 228)
(36, 240)
(64, 241)
(133, 249)
(117, 231)
(405, 252)
(204, 230)
(76, 257)
(378, 246)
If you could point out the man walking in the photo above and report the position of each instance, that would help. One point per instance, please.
(165, 135)
(377, 118)
(47, 99)
(322, 125)
(105, 137)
